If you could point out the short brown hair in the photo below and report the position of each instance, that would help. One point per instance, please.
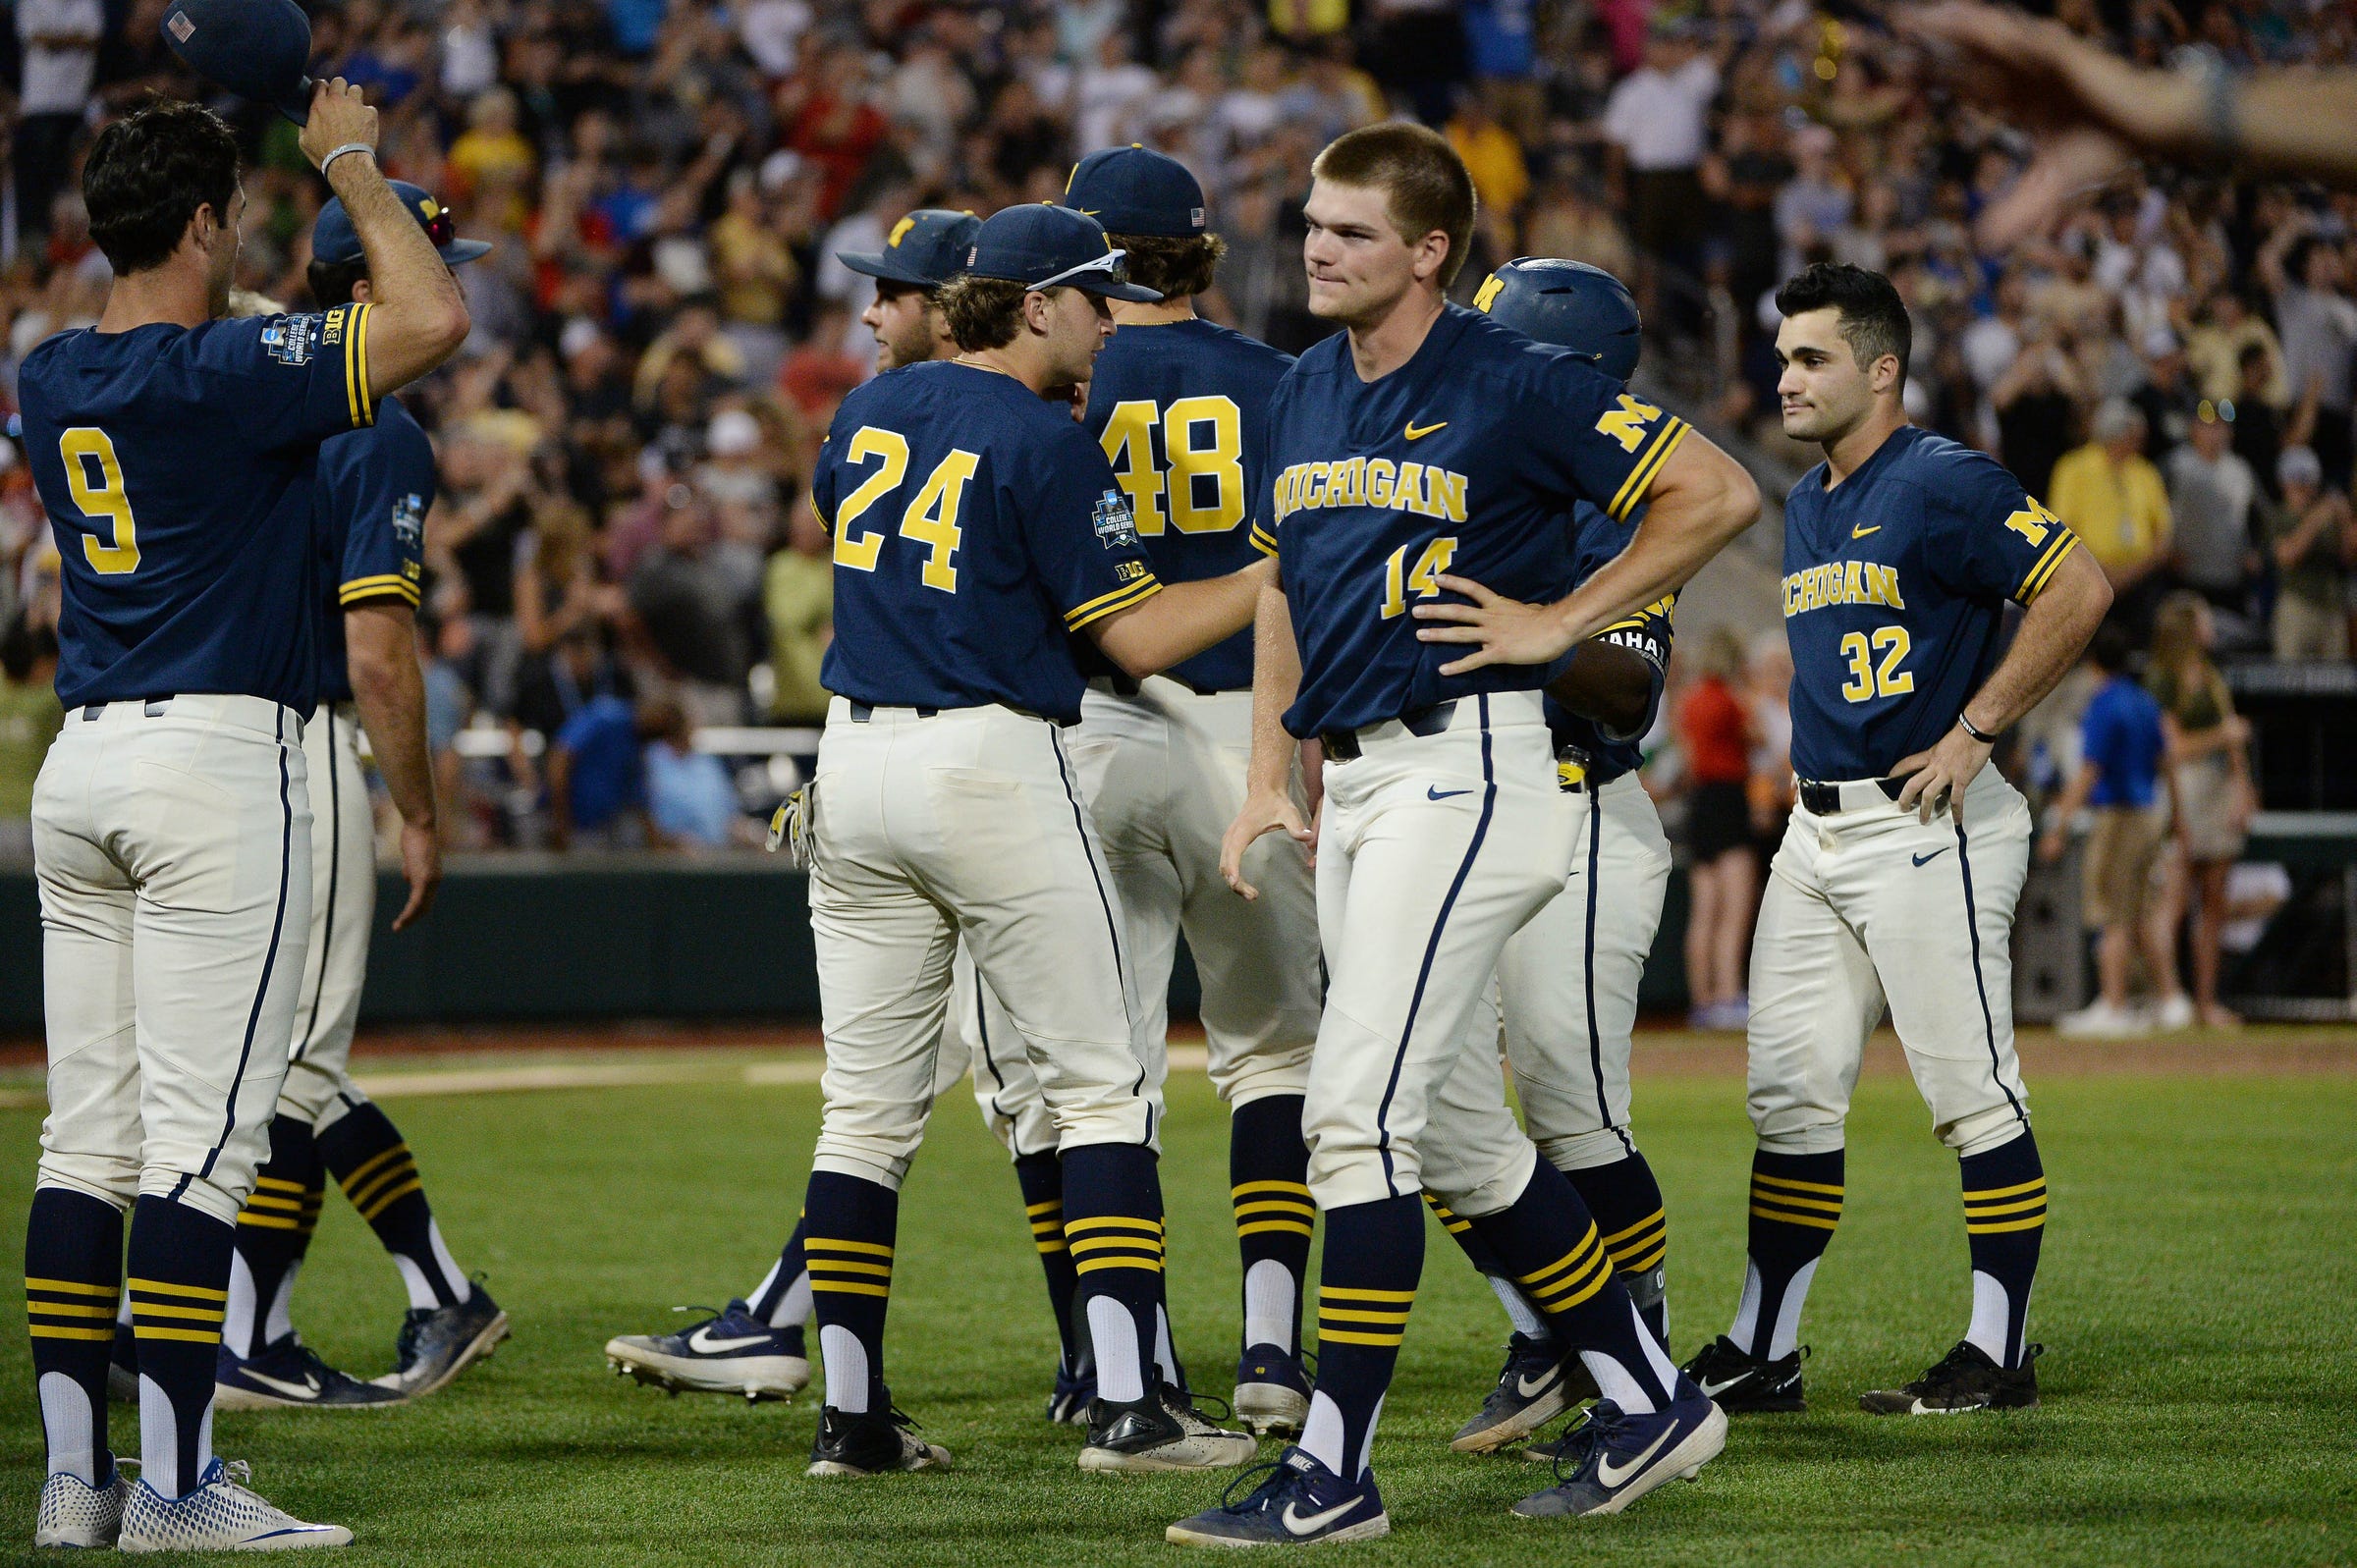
(1172, 267)
(1425, 183)
(982, 313)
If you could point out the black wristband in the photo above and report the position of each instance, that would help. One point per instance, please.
(1970, 728)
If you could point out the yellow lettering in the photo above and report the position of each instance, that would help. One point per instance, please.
(1314, 491)
(1851, 590)
(1451, 500)
(1408, 490)
(1380, 472)
(1887, 580)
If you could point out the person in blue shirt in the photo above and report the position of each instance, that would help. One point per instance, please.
(177, 456)
(377, 485)
(2121, 782)
(981, 541)
(1423, 449)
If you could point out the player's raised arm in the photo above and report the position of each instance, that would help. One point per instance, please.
(1180, 620)
(417, 317)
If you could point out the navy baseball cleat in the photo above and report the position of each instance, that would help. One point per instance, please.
(290, 1376)
(1744, 1383)
(437, 1343)
(1299, 1503)
(731, 1352)
(1965, 1380)
(1538, 1384)
(1075, 1392)
(1620, 1458)
(869, 1444)
(1272, 1396)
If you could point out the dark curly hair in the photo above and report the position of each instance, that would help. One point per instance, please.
(982, 313)
(1173, 268)
(1873, 319)
(146, 176)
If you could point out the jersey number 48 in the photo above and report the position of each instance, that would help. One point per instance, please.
(1201, 488)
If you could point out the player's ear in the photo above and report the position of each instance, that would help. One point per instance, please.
(1039, 312)
(1432, 254)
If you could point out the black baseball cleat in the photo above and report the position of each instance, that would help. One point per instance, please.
(869, 1444)
(1965, 1380)
(1742, 1384)
(1162, 1432)
(290, 1375)
(1539, 1382)
(437, 1343)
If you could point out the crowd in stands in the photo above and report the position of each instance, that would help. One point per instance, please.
(662, 332)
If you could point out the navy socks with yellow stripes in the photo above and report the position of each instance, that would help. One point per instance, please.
(1547, 1239)
(1795, 1203)
(2004, 1219)
(1626, 1202)
(365, 1152)
(1112, 1224)
(782, 1299)
(274, 1232)
(73, 1274)
(1041, 1178)
(1268, 1176)
(1366, 1286)
(179, 1285)
(849, 1226)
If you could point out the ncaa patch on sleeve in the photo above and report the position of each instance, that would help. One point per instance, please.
(1115, 528)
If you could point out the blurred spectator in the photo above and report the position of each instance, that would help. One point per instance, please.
(2213, 500)
(2119, 781)
(799, 596)
(2036, 400)
(2313, 539)
(1656, 122)
(597, 777)
(2318, 322)
(30, 718)
(692, 594)
(690, 802)
(57, 43)
(1722, 870)
(2212, 803)
(2114, 501)
(1768, 683)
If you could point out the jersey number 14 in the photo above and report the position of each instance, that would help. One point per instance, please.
(95, 479)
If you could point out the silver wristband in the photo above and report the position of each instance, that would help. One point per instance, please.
(349, 147)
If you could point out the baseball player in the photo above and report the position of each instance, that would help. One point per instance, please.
(1898, 877)
(1568, 984)
(1428, 440)
(944, 804)
(375, 487)
(177, 457)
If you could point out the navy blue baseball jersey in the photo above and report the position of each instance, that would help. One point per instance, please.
(1465, 460)
(374, 488)
(975, 528)
(178, 465)
(1597, 539)
(1894, 588)
(1182, 410)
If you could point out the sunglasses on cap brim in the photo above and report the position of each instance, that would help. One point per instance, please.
(1109, 264)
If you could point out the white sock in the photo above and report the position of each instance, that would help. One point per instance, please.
(279, 1321)
(1165, 1356)
(68, 1423)
(123, 1310)
(1113, 1333)
(793, 1308)
(845, 1361)
(1366, 1448)
(1657, 1355)
(1322, 1431)
(1786, 1337)
(768, 1280)
(159, 1442)
(1992, 1318)
(454, 1279)
(1518, 1310)
(1747, 1310)
(237, 1321)
(1614, 1382)
(1269, 1305)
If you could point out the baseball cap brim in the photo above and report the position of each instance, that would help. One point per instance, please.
(458, 251)
(1135, 292)
(882, 264)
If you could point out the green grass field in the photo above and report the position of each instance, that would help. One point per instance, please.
(2198, 1301)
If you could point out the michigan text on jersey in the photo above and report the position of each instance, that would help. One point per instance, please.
(1841, 582)
(1433, 492)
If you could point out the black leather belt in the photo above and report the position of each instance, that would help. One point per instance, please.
(1342, 745)
(1825, 799)
(152, 707)
(1123, 686)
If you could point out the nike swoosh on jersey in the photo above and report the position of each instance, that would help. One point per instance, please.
(1934, 855)
(1294, 1524)
(703, 1342)
(308, 1388)
(1610, 1477)
(1436, 792)
(1860, 533)
(1413, 434)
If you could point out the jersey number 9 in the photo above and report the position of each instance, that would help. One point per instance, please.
(931, 519)
(1202, 486)
(1868, 679)
(88, 451)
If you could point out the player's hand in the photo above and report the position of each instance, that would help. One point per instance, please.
(339, 115)
(421, 864)
(1505, 630)
(1938, 778)
(1261, 814)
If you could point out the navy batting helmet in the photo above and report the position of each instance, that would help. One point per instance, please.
(1570, 304)
(257, 49)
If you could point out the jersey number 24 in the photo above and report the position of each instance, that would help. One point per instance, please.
(95, 479)
(1201, 488)
(930, 520)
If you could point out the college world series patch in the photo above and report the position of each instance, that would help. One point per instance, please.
(1114, 527)
(289, 339)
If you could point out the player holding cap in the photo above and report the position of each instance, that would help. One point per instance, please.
(375, 487)
(1896, 880)
(1424, 440)
(976, 528)
(177, 457)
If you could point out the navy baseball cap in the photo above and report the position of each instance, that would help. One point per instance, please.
(1043, 245)
(926, 249)
(257, 49)
(1570, 304)
(335, 240)
(1135, 190)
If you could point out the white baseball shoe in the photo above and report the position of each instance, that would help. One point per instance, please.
(74, 1513)
(220, 1515)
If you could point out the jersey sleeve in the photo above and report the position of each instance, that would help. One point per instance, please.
(382, 490)
(1591, 437)
(822, 482)
(1988, 536)
(1082, 538)
(298, 377)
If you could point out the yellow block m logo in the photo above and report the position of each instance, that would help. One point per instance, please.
(1626, 423)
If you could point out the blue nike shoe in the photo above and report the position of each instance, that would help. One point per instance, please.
(731, 1352)
(289, 1375)
(1272, 1396)
(1299, 1503)
(1615, 1458)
